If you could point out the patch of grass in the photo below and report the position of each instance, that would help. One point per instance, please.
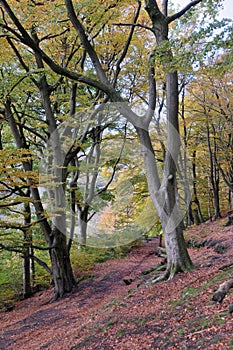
(110, 323)
(198, 324)
(176, 302)
(189, 236)
(219, 278)
(220, 319)
(85, 342)
(140, 321)
(87, 277)
(189, 292)
(121, 333)
(112, 304)
(217, 339)
(180, 332)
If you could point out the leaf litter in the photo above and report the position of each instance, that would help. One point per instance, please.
(105, 313)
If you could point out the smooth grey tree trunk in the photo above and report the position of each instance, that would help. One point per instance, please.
(165, 199)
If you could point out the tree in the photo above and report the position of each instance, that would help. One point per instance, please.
(33, 124)
(211, 97)
(109, 82)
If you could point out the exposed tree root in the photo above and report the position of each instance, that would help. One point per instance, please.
(157, 268)
(160, 278)
(225, 266)
(170, 273)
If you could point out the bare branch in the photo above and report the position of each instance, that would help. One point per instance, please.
(183, 11)
(125, 50)
(103, 189)
(164, 7)
(20, 251)
(41, 263)
(133, 25)
(152, 91)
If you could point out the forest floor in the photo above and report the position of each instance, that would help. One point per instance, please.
(104, 313)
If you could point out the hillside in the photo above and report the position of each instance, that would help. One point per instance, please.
(104, 313)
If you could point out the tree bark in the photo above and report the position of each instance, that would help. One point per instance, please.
(198, 213)
(220, 294)
(62, 273)
(83, 219)
(61, 266)
(214, 172)
(27, 286)
(164, 197)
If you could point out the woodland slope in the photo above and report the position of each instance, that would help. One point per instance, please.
(104, 313)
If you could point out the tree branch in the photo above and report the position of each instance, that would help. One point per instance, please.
(28, 41)
(134, 25)
(17, 250)
(86, 43)
(152, 91)
(183, 11)
(41, 263)
(125, 50)
(164, 7)
(103, 189)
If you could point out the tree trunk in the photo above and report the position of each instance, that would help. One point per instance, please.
(214, 173)
(185, 179)
(83, 218)
(220, 294)
(27, 287)
(198, 217)
(166, 202)
(56, 238)
(62, 273)
(165, 196)
(178, 259)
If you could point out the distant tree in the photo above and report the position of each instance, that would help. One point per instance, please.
(213, 105)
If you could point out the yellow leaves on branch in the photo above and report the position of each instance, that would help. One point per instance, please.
(11, 170)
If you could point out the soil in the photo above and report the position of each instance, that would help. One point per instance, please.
(104, 313)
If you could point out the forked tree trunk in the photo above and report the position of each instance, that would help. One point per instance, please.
(164, 195)
(165, 199)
